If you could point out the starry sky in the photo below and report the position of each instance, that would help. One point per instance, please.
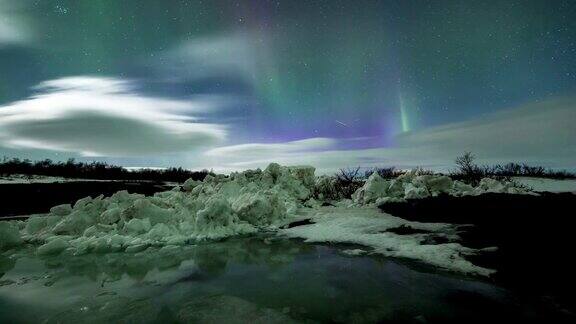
(231, 85)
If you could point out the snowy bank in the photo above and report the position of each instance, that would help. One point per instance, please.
(245, 203)
(412, 185)
(547, 185)
(27, 179)
(373, 229)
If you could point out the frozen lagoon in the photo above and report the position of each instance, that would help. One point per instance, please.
(257, 279)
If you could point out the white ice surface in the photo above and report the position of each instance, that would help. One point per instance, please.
(368, 227)
(548, 185)
(26, 179)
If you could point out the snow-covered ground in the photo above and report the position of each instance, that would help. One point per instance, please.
(249, 202)
(368, 227)
(548, 185)
(25, 179)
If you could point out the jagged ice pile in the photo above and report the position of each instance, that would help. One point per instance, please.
(244, 203)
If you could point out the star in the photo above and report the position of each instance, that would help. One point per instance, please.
(61, 10)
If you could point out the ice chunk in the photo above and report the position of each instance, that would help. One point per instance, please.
(9, 235)
(35, 224)
(396, 188)
(138, 226)
(82, 202)
(259, 208)
(304, 174)
(110, 216)
(145, 209)
(217, 212)
(190, 184)
(374, 188)
(116, 242)
(75, 223)
(160, 231)
(136, 248)
(55, 246)
(273, 172)
(61, 210)
(491, 185)
(460, 188)
(386, 200)
(413, 192)
(434, 183)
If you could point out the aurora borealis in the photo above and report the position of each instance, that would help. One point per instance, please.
(236, 84)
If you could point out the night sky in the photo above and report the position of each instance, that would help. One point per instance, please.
(238, 84)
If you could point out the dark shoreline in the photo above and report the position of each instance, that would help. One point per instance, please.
(21, 199)
(533, 235)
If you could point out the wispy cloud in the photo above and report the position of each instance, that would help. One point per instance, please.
(270, 151)
(230, 55)
(96, 116)
(541, 133)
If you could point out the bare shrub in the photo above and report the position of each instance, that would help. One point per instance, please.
(469, 171)
(348, 181)
(340, 185)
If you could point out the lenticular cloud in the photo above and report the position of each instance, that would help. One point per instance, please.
(96, 116)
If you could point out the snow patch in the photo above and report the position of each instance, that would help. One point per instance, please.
(547, 185)
(369, 227)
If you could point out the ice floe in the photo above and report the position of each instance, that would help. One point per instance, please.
(248, 202)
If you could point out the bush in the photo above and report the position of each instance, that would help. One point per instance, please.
(95, 170)
(348, 181)
(340, 185)
(468, 171)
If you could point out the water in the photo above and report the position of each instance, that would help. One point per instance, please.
(254, 279)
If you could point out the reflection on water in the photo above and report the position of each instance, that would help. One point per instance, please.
(241, 280)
